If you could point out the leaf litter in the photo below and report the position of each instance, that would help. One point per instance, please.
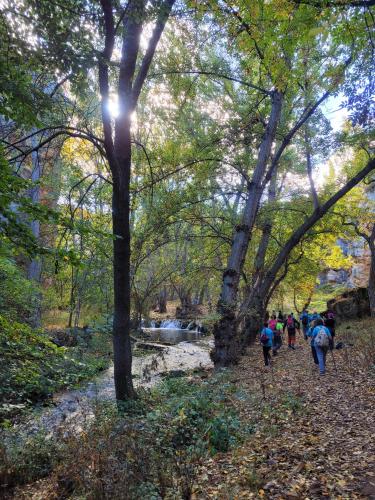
(314, 436)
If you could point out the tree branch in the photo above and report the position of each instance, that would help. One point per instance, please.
(310, 222)
(338, 3)
(103, 66)
(213, 73)
(164, 12)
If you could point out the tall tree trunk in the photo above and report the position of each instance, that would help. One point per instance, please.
(260, 257)
(227, 347)
(34, 268)
(162, 300)
(201, 295)
(254, 314)
(121, 269)
(72, 302)
(371, 281)
(118, 151)
(253, 320)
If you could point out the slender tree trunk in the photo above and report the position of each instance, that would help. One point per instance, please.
(201, 295)
(371, 287)
(227, 345)
(255, 312)
(34, 269)
(260, 257)
(162, 301)
(253, 320)
(371, 281)
(72, 297)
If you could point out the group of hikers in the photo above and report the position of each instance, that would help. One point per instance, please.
(319, 327)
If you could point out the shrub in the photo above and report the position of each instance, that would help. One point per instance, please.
(150, 449)
(17, 294)
(32, 367)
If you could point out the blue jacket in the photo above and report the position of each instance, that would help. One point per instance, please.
(269, 334)
(314, 317)
(304, 315)
(313, 332)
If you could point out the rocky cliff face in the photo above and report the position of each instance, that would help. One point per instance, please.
(358, 275)
(359, 251)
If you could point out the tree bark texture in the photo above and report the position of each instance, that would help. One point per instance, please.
(162, 301)
(118, 152)
(371, 281)
(34, 268)
(227, 345)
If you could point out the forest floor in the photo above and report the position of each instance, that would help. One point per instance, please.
(296, 435)
(318, 434)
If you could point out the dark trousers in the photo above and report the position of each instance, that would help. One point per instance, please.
(332, 340)
(266, 354)
(313, 351)
(277, 342)
(291, 337)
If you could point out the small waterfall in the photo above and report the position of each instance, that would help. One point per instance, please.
(152, 324)
(173, 324)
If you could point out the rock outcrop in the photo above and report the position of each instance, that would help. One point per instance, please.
(352, 304)
(358, 274)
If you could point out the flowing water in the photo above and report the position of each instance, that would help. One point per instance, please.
(69, 409)
(173, 331)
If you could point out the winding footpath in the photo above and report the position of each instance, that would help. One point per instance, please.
(314, 437)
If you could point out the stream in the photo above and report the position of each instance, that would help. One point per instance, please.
(176, 349)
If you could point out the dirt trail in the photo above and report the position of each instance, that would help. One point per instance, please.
(314, 435)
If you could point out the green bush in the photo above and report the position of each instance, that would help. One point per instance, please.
(151, 449)
(17, 294)
(27, 459)
(32, 367)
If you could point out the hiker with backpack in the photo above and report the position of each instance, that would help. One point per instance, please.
(266, 340)
(291, 324)
(314, 317)
(304, 318)
(330, 322)
(272, 324)
(277, 338)
(320, 341)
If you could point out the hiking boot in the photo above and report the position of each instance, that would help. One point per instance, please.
(292, 347)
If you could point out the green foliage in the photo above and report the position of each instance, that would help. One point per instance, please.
(27, 458)
(17, 293)
(32, 367)
(151, 448)
(200, 417)
(17, 209)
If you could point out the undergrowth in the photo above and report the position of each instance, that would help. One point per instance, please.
(359, 335)
(32, 367)
(151, 448)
